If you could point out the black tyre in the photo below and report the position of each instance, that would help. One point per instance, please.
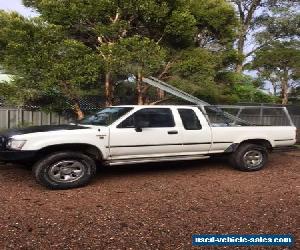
(64, 170)
(249, 157)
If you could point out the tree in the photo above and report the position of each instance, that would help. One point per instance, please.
(279, 23)
(140, 57)
(174, 25)
(195, 73)
(187, 43)
(279, 63)
(255, 15)
(246, 12)
(102, 24)
(44, 62)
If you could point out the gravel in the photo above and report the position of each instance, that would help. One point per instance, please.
(153, 206)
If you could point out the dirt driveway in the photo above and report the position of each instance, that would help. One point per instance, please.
(150, 206)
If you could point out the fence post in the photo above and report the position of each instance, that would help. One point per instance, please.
(21, 121)
(41, 117)
(7, 114)
(261, 114)
(49, 118)
(17, 117)
(31, 117)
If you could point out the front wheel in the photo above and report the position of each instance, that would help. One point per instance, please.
(249, 157)
(64, 170)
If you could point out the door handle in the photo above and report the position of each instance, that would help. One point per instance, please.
(173, 132)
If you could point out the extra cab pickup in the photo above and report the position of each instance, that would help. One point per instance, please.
(66, 156)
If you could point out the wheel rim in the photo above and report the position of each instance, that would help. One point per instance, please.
(253, 158)
(66, 171)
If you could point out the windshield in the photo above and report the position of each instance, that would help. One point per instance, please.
(106, 116)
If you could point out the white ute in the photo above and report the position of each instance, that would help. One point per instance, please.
(65, 156)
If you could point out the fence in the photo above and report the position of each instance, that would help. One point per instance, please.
(12, 117)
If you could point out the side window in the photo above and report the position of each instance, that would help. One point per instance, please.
(189, 119)
(151, 117)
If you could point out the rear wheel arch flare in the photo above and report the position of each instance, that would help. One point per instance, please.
(261, 142)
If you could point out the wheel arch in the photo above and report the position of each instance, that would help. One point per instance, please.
(88, 149)
(262, 142)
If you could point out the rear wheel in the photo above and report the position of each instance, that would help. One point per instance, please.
(249, 157)
(63, 170)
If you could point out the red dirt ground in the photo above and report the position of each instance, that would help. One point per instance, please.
(154, 206)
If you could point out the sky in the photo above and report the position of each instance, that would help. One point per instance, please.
(16, 5)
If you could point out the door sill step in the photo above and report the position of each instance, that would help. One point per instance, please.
(161, 159)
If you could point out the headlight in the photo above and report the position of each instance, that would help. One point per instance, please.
(15, 144)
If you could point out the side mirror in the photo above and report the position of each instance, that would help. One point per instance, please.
(140, 124)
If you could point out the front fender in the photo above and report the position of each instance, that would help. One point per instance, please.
(37, 145)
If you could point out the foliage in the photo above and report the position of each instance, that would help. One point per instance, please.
(279, 63)
(243, 88)
(175, 26)
(248, 93)
(44, 61)
(256, 16)
(139, 54)
(197, 64)
(279, 23)
(106, 46)
(266, 23)
(216, 21)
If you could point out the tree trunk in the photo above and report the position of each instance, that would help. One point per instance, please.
(160, 94)
(240, 48)
(68, 91)
(108, 90)
(285, 87)
(246, 17)
(284, 96)
(139, 89)
(274, 88)
(78, 111)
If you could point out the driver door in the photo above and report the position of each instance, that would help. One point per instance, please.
(157, 137)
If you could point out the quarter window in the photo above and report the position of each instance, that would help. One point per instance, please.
(189, 119)
(151, 117)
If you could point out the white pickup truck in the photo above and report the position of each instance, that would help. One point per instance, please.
(65, 156)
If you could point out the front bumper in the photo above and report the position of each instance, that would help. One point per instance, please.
(16, 155)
